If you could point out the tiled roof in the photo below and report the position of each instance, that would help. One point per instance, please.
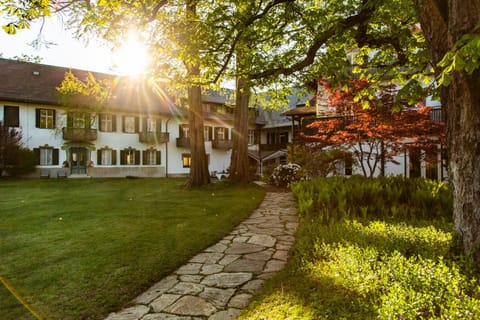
(37, 83)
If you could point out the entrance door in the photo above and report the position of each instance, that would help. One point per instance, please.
(78, 160)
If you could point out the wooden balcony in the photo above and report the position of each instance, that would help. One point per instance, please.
(222, 144)
(273, 147)
(154, 137)
(183, 142)
(79, 134)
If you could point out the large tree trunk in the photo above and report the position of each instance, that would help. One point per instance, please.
(239, 168)
(199, 174)
(444, 23)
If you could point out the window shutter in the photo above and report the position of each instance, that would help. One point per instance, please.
(144, 157)
(122, 157)
(144, 124)
(55, 156)
(180, 131)
(36, 152)
(227, 134)
(99, 157)
(114, 157)
(69, 120)
(137, 157)
(137, 124)
(54, 118)
(159, 125)
(210, 133)
(159, 157)
(88, 120)
(114, 122)
(37, 118)
(216, 132)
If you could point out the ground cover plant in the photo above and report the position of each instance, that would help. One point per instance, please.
(78, 249)
(372, 249)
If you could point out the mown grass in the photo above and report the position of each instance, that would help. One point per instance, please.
(79, 249)
(366, 264)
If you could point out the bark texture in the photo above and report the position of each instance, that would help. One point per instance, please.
(239, 168)
(199, 174)
(444, 23)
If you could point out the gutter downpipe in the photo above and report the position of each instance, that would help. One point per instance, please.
(166, 149)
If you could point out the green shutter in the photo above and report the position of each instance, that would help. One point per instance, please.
(144, 157)
(54, 118)
(99, 157)
(122, 157)
(137, 157)
(159, 157)
(114, 157)
(36, 152)
(37, 118)
(114, 122)
(180, 131)
(55, 156)
(137, 124)
(144, 124)
(159, 125)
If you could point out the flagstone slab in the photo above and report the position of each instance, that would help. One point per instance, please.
(229, 258)
(156, 290)
(219, 247)
(132, 313)
(274, 265)
(262, 255)
(240, 301)
(189, 288)
(207, 257)
(245, 265)
(164, 301)
(165, 316)
(211, 269)
(242, 248)
(253, 285)
(218, 297)
(262, 240)
(227, 280)
(189, 268)
(192, 306)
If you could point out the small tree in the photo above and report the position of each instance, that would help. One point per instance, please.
(374, 127)
(14, 160)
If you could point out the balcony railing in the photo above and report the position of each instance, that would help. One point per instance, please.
(183, 142)
(273, 147)
(79, 134)
(437, 115)
(154, 137)
(222, 144)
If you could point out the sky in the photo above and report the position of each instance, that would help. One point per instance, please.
(67, 51)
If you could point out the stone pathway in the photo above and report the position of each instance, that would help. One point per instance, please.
(218, 282)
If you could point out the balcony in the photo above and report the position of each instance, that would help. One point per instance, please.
(273, 147)
(79, 134)
(183, 142)
(154, 137)
(222, 144)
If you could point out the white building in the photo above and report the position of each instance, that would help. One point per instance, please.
(140, 133)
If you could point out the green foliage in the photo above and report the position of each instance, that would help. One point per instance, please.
(284, 174)
(464, 56)
(387, 198)
(373, 266)
(25, 163)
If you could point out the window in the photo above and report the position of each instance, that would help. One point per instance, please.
(107, 122)
(11, 116)
(151, 157)
(47, 156)
(221, 134)
(415, 163)
(283, 137)
(130, 124)
(186, 160)
(251, 136)
(106, 157)
(79, 120)
(207, 133)
(45, 118)
(184, 131)
(151, 125)
(130, 157)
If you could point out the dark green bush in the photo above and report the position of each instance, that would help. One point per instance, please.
(332, 199)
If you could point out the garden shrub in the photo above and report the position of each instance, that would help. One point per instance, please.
(285, 174)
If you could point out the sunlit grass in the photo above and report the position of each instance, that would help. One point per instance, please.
(79, 249)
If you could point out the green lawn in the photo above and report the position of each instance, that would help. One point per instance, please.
(79, 249)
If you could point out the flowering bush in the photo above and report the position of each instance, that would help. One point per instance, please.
(284, 174)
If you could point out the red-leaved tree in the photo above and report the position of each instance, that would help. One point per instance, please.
(373, 126)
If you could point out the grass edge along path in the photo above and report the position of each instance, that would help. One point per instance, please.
(376, 266)
(79, 249)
